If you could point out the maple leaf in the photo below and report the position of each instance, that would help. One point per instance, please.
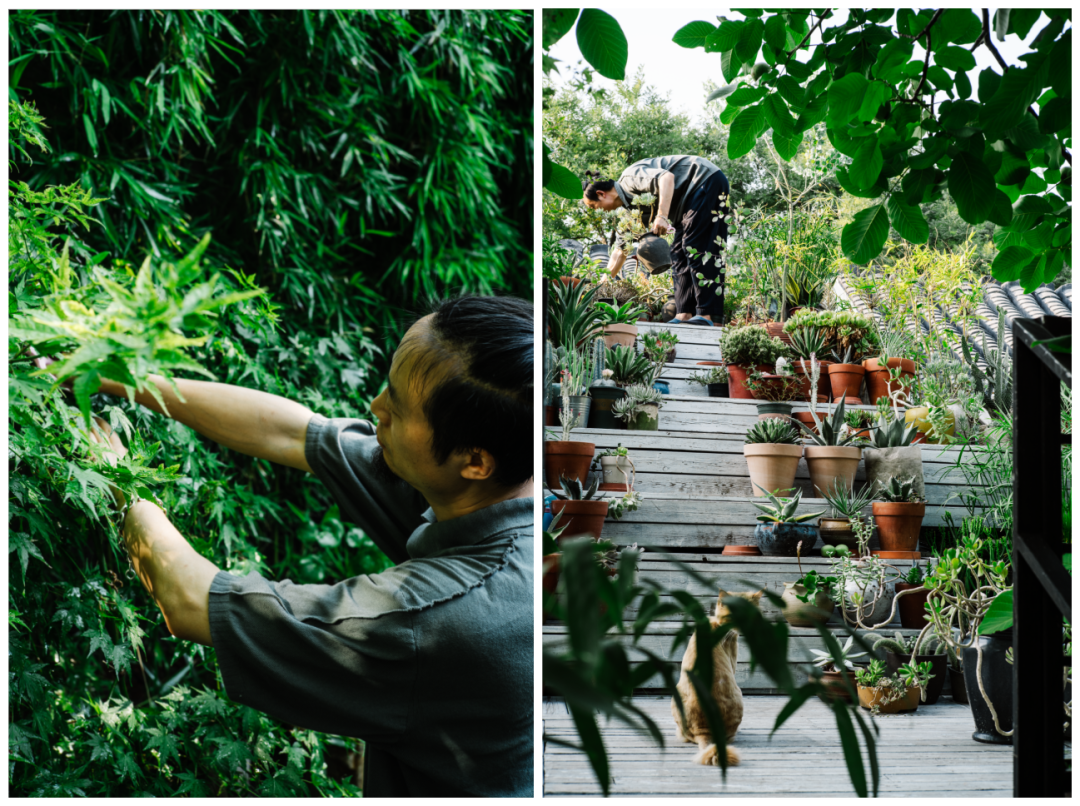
(19, 742)
(208, 703)
(232, 752)
(100, 748)
(165, 744)
(191, 785)
(24, 545)
(128, 767)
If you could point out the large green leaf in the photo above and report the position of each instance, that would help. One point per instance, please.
(775, 32)
(972, 187)
(845, 98)
(693, 34)
(1055, 115)
(1016, 91)
(895, 54)
(563, 183)
(602, 42)
(863, 238)
(778, 117)
(787, 145)
(750, 41)
(955, 58)
(557, 22)
(1010, 261)
(745, 130)
(960, 25)
(726, 37)
(877, 93)
(866, 167)
(908, 221)
(729, 65)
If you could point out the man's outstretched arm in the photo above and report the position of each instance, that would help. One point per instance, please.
(246, 420)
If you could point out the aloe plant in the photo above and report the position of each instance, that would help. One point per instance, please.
(574, 490)
(782, 510)
(806, 342)
(892, 433)
(829, 429)
(844, 501)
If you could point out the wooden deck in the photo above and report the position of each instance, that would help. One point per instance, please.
(929, 753)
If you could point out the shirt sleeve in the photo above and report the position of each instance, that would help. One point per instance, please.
(341, 453)
(642, 177)
(301, 654)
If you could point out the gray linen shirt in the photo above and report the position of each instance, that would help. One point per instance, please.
(644, 177)
(430, 662)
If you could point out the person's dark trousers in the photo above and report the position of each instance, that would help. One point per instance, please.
(695, 250)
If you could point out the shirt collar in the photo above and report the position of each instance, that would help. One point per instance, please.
(622, 195)
(436, 536)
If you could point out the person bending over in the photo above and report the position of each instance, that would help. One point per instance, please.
(430, 661)
(692, 197)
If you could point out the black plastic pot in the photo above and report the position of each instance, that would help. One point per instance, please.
(603, 398)
(718, 389)
(938, 668)
(959, 687)
(782, 539)
(997, 679)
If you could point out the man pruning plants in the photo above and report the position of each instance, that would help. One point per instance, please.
(692, 200)
(429, 661)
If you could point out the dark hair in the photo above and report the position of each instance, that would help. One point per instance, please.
(592, 187)
(481, 349)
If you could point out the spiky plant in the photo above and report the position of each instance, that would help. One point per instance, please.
(829, 430)
(844, 501)
(807, 341)
(899, 491)
(892, 433)
(627, 365)
(773, 431)
(574, 490)
(844, 356)
(782, 510)
(846, 657)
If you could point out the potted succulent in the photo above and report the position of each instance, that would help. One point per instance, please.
(571, 320)
(831, 456)
(891, 453)
(781, 531)
(808, 344)
(659, 347)
(584, 514)
(620, 324)
(715, 379)
(566, 457)
(576, 366)
(617, 469)
(881, 693)
(775, 391)
(640, 409)
(864, 581)
(744, 349)
(889, 375)
(809, 600)
(912, 606)
(922, 648)
(860, 422)
(899, 515)
(845, 376)
(772, 450)
(832, 677)
(844, 504)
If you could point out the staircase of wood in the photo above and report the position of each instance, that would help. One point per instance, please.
(698, 499)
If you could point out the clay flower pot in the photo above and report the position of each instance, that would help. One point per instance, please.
(807, 419)
(737, 379)
(782, 539)
(567, 280)
(911, 606)
(776, 330)
(834, 686)
(570, 459)
(772, 466)
(878, 384)
(832, 466)
(846, 380)
(581, 517)
(837, 532)
(898, 525)
(767, 410)
(625, 335)
(805, 614)
(869, 697)
(801, 367)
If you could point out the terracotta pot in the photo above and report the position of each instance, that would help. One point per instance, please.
(772, 467)
(838, 532)
(711, 364)
(570, 459)
(580, 517)
(846, 380)
(912, 612)
(938, 670)
(737, 380)
(805, 614)
(801, 367)
(898, 525)
(776, 330)
(834, 686)
(832, 466)
(625, 335)
(897, 555)
(869, 697)
(878, 384)
(741, 551)
(574, 281)
(807, 419)
(782, 539)
(551, 415)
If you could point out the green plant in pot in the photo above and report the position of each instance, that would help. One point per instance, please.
(923, 648)
(810, 599)
(576, 367)
(617, 468)
(782, 530)
(890, 374)
(891, 453)
(861, 424)
(772, 450)
(911, 597)
(808, 344)
(564, 456)
(627, 366)
(745, 349)
(774, 390)
(865, 581)
(619, 323)
(571, 319)
(640, 409)
(584, 514)
(844, 505)
(831, 455)
(659, 347)
(715, 379)
(899, 514)
(838, 671)
(845, 376)
(882, 693)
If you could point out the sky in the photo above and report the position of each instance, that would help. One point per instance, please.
(681, 72)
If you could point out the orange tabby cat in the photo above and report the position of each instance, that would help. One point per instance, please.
(725, 692)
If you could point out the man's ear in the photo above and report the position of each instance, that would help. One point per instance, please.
(479, 465)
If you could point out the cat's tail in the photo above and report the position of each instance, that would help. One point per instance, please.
(709, 757)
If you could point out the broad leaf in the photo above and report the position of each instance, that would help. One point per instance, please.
(745, 130)
(866, 167)
(845, 98)
(972, 187)
(557, 22)
(602, 42)
(908, 221)
(693, 34)
(862, 239)
(563, 183)
(999, 616)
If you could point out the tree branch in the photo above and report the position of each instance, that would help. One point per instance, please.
(817, 25)
(926, 64)
(925, 30)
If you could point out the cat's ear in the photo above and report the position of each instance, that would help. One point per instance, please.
(721, 595)
(755, 597)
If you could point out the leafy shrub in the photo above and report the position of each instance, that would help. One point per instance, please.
(750, 345)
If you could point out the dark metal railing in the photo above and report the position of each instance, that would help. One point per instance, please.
(1041, 586)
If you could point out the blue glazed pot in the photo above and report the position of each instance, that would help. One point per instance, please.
(782, 539)
(662, 386)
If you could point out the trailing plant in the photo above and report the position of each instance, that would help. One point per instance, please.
(783, 510)
(750, 345)
(772, 431)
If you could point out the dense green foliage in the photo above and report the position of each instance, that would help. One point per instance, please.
(348, 164)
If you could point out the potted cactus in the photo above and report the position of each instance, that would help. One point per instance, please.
(891, 452)
(899, 515)
(781, 531)
(640, 409)
(832, 458)
(844, 504)
(772, 450)
(584, 514)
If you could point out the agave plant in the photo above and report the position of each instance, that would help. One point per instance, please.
(773, 431)
(807, 341)
(782, 510)
(829, 429)
(899, 491)
(844, 501)
(628, 366)
(844, 356)
(892, 433)
(574, 490)
(825, 659)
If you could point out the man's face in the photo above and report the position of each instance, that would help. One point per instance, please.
(403, 431)
(605, 200)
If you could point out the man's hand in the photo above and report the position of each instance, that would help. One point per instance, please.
(114, 451)
(661, 226)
